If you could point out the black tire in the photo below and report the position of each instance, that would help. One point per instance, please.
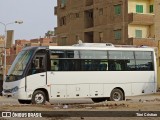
(116, 95)
(97, 100)
(38, 97)
(24, 101)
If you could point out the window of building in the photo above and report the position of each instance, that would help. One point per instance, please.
(101, 11)
(63, 1)
(117, 34)
(117, 9)
(90, 14)
(139, 8)
(62, 21)
(151, 8)
(138, 33)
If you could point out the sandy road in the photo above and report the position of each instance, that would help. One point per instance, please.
(138, 103)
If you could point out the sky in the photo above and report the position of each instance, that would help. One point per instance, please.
(37, 16)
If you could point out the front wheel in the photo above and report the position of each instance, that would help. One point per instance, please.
(38, 97)
(116, 95)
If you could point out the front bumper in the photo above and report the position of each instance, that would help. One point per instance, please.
(20, 94)
(11, 94)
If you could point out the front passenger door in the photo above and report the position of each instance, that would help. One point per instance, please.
(37, 72)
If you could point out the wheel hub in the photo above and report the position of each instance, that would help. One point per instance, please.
(39, 98)
(116, 96)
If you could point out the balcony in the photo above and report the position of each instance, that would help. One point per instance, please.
(143, 41)
(142, 19)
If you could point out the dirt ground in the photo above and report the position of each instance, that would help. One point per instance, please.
(137, 103)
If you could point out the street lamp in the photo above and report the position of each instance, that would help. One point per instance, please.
(5, 39)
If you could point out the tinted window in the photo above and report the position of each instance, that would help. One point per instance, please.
(88, 60)
(122, 65)
(144, 65)
(143, 55)
(91, 54)
(121, 55)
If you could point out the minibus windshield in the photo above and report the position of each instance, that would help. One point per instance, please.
(19, 65)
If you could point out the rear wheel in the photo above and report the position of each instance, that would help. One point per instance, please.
(38, 97)
(116, 95)
(97, 100)
(24, 101)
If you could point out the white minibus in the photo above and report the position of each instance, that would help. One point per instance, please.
(99, 71)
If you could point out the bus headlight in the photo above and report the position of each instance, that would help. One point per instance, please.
(15, 89)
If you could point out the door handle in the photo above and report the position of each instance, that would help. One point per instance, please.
(42, 75)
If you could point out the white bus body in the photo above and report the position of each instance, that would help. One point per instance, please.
(96, 72)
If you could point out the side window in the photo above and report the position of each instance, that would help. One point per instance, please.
(121, 61)
(122, 65)
(130, 65)
(92, 54)
(86, 65)
(114, 65)
(94, 65)
(62, 60)
(69, 60)
(144, 65)
(38, 63)
(56, 57)
(144, 61)
(103, 66)
(121, 55)
(54, 65)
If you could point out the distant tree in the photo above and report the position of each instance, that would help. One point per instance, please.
(49, 34)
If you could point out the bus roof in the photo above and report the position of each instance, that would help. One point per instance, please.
(100, 48)
(88, 46)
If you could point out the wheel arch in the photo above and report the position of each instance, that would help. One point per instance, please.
(45, 91)
(121, 90)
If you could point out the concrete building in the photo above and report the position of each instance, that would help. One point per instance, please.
(121, 22)
(133, 22)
